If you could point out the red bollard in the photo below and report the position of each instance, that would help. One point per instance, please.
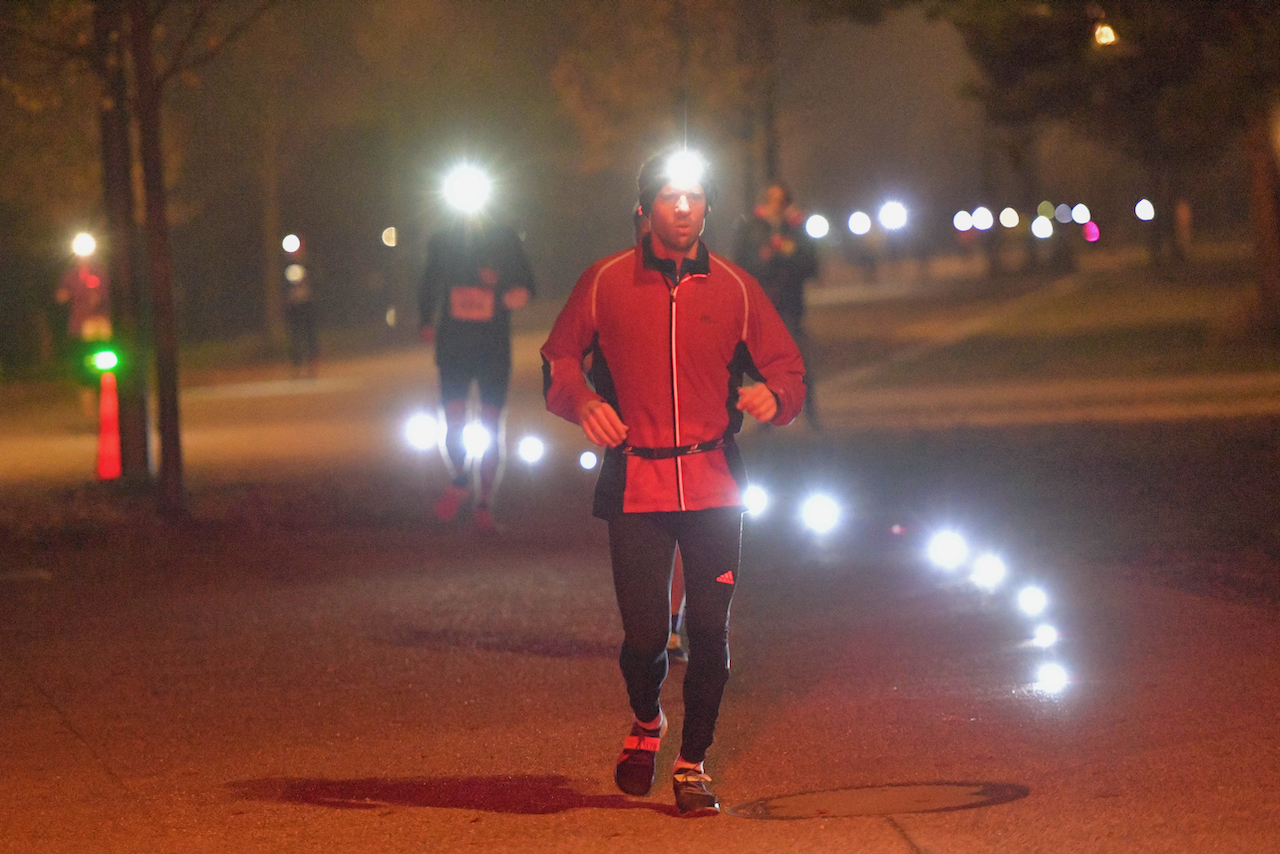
(108, 429)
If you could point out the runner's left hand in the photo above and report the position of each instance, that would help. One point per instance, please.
(758, 402)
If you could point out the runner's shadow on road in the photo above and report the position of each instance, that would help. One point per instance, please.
(518, 794)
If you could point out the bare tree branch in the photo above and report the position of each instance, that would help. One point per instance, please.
(232, 34)
(193, 29)
(62, 48)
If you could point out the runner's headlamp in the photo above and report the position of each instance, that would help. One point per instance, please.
(682, 168)
(467, 189)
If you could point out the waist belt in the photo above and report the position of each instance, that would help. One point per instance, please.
(669, 453)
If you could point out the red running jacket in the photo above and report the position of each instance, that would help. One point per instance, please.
(668, 351)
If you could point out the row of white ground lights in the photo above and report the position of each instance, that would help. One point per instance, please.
(819, 512)
(424, 432)
(894, 215)
(949, 551)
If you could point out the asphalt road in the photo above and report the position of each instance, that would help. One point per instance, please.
(312, 663)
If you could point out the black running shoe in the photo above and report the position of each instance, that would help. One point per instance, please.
(634, 774)
(693, 798)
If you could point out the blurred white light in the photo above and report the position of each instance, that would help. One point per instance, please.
(1009, 218)
(685, 170)
(1032, 601)
(475, 439)
(291, 243)
(1062, 213)
(988, 572)
(1045, 636)
(1080, 214)
(1051, 678)
(893, 215)
(982, 219)
(391, 316)
(755, 499)
(1042, 227)
(531, 449)
(1145, 211)
(817, 226)
(83, 244)
(389, 236)
(1104, 35)
(859, 223)
(962, 221)
(421, 431)
(295, 273)
(947, 550)
(588, 460)
(820, 513)
(467, 188)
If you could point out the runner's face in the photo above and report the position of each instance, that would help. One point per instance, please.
(678, 217)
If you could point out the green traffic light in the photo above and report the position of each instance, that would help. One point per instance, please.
(104, 360)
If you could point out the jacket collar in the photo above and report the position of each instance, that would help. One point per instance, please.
(700, 265)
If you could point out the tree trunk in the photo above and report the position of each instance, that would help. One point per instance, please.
(769, 101)
(1264, 185)
(117, 193)
(172, 498)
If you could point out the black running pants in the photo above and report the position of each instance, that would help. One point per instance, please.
(642, 547)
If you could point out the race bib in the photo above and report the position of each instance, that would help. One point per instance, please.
(471, 303)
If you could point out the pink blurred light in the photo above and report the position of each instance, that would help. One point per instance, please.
(1090, 231)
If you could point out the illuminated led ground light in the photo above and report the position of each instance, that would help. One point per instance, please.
(755, 499)
(820, 513)
(947, 549)
(531, 449)
(421, 431)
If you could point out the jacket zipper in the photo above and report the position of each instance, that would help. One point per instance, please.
(675, 400)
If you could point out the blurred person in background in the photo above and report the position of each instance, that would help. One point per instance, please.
(477, 274)
(772, 245)
(300, 311)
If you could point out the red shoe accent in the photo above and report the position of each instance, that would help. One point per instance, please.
(642, 742)
(449, 504)
(727, 578)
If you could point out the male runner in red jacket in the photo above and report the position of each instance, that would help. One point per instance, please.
(671, 330)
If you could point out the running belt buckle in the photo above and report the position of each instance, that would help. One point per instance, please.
(670, 453)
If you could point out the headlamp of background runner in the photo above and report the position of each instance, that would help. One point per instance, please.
(467, 189)
(685, 170)
(84, 245)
